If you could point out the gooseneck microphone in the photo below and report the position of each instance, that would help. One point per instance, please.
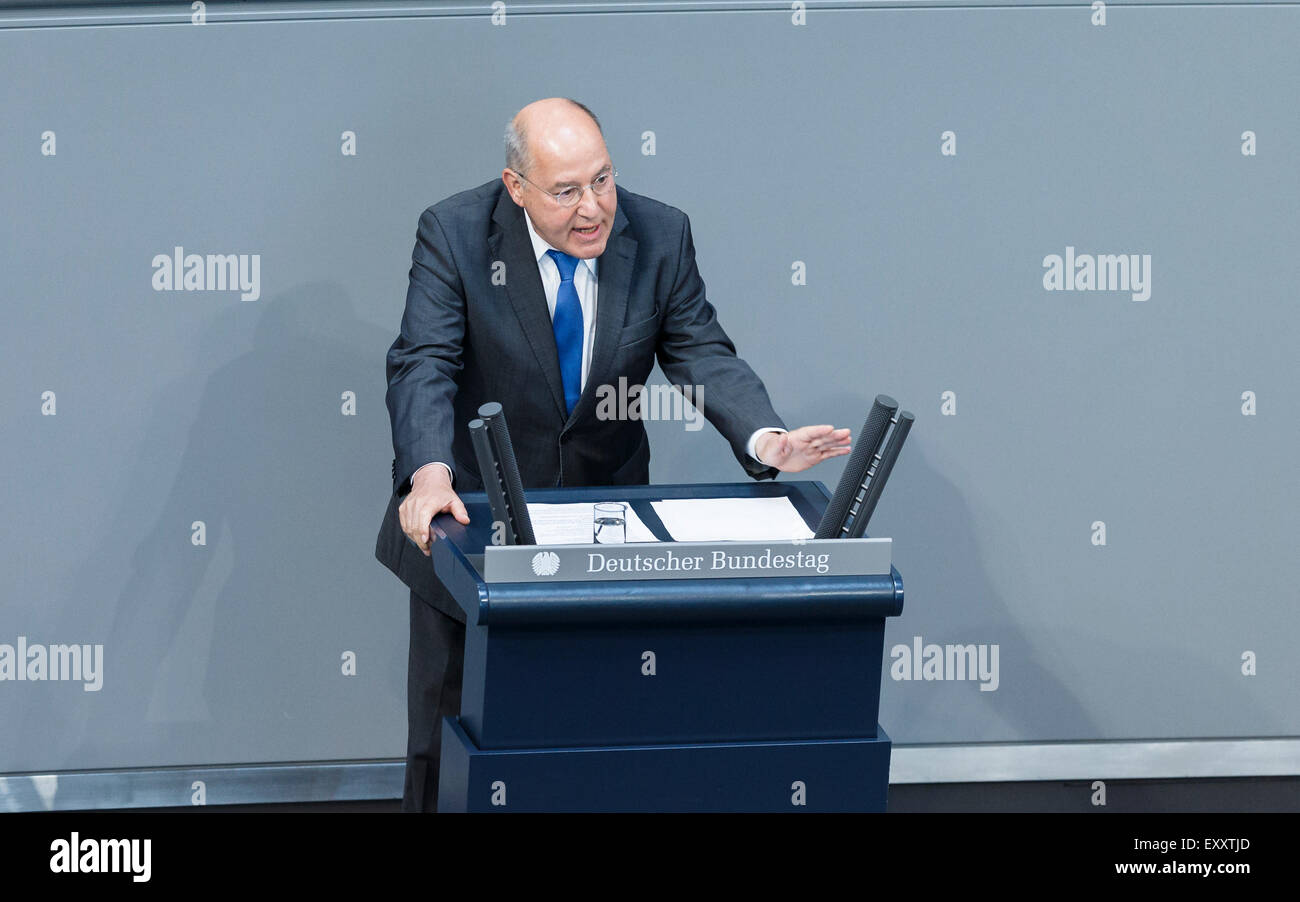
(500, 472)
(867, 471)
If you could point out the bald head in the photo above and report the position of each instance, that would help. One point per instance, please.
(553, 121)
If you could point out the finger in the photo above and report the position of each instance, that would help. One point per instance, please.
(830, 442)
(827, 454)
(413, 534)
(458, 511)
(404, 516)
(805, 434)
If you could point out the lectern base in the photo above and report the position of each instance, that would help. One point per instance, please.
(821, 775)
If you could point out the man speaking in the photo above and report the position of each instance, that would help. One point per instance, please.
(535, 290)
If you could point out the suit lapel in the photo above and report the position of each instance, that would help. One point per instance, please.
(613, 281)
(510, 245)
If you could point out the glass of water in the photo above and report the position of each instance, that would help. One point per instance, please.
(609, 523)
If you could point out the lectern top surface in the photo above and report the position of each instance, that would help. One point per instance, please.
(808, 498)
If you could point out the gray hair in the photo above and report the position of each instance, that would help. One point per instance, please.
(518, 156)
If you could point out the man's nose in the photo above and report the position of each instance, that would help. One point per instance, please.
(587, 205)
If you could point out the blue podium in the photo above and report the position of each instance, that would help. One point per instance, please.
(668, 688)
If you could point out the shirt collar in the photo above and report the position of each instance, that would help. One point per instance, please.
(540, 247)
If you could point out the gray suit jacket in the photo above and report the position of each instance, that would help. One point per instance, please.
(468, 338)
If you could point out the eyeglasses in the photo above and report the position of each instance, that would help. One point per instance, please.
(571, 195)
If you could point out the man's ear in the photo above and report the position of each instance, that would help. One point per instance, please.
(514, 186)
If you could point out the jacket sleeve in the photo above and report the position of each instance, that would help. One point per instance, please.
(694, 350)
(423, 363)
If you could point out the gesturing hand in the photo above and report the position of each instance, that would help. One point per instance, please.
(431, 494)
(800, 448)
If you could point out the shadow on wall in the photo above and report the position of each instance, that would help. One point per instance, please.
(952, 600)
(1050, 688)
(231, 651)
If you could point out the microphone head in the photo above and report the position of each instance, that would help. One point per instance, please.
(489, 410)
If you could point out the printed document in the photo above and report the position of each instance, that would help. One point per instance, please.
(571, 524)
(731, 519)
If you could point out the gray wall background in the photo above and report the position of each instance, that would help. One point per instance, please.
(818, 143)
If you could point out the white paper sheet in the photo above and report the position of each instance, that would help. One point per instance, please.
(570, 524)
(731, 519)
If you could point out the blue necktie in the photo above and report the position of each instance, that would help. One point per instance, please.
(567, 323)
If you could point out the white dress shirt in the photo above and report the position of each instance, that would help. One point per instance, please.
(585, 283)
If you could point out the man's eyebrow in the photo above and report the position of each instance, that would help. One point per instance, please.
(559, 186)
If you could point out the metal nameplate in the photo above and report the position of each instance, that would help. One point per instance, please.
(686, 560)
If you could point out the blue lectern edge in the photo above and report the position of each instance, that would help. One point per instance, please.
(471, 590)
